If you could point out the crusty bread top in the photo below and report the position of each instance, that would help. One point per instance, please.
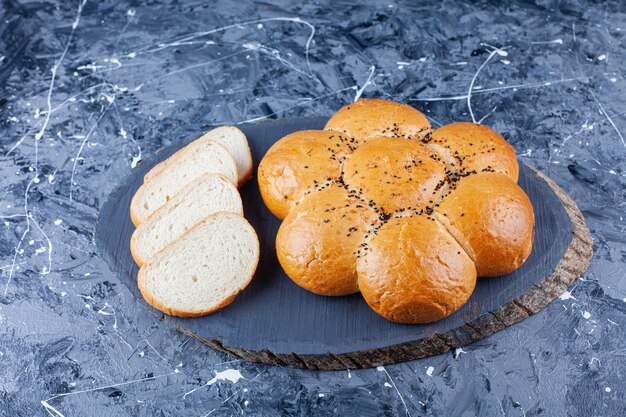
(395, 173)
(375, 117)
(298, 163)
(476, 147)
(317, 242)
(395, 166)
(493, 218)
(414, 271)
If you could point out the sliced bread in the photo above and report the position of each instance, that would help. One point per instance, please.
(233, 140)
(183, 167)
(208, 194)
(203, 270)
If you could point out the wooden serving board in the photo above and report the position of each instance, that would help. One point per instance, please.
(276, 322)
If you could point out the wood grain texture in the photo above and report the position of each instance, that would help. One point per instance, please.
(274, 321)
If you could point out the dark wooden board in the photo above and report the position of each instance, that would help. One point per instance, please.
(275, 321)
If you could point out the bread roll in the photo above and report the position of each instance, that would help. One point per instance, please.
(396, 173)
(475, 147)
(375, 117)
(299, 163)
(413, 271)
(408, 216)
(492, 217)
(317, 242)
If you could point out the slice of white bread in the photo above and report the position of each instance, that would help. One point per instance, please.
(203, 270)
(208, 194)
(184, 166)
(235, 143)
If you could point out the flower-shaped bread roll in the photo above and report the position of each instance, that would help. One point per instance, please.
(379, 203)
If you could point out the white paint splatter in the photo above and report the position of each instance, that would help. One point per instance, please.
(322, 395)
(496, 51)
(388, 385)
(430, 371)
(357, 96)
(382, 369)
(232, 375)
(607, 389)
(557, 41)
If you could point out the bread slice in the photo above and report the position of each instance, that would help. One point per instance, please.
(211, 193)
(183, 167)
(233, 140)
(202, 271)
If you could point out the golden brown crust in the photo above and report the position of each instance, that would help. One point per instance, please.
(476, 147)
(492, 216)
(247, 175)
(413, 271)
(133, 252)
(133, 215)
(375, 117)
(297, 164)
(317, 241)
(397, 174)
(161, 306)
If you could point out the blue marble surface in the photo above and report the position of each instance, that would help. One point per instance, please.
(90, 89)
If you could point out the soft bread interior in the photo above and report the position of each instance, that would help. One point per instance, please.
(182, 169)
(229, 137)
(204, 269)
(208, 194)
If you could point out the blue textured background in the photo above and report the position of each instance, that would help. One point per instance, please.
(90, 89)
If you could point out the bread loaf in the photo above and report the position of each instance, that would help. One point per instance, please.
(493, 219)
(426, 211)
(395, 173)
(474, 148)
(298, 164)
(369, 118)
(208, 194)
(317, 242)
(203, 270)
(413, 271)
